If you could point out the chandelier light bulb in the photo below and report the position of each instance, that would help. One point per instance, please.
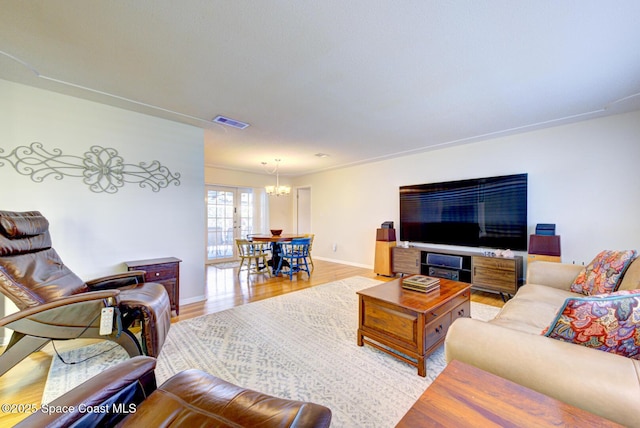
(276, 190)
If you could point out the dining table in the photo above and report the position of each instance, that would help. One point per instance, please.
(276, 249)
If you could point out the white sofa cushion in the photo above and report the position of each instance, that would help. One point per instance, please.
(532, 309)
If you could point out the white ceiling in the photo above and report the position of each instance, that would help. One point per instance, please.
(359, 80)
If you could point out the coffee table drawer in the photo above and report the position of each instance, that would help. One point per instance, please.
(448, 306)
(435, 331)
(389, 320)
(462, 311)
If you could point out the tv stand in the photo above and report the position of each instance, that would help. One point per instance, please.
(486, 273)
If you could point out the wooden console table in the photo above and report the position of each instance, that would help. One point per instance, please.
(463, 396)
(165, 271)
(410, 322)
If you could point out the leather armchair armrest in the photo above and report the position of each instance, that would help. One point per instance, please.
(117, 280)
(100, 298)
(112, 393)
(64, 318)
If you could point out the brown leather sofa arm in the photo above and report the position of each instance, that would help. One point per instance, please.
(102, 400)
(195, 398)
(108, 296)
(126, 395)
(117, 280)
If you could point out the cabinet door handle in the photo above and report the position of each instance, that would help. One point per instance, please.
(157, 273)
(461, 313)
(439, 329)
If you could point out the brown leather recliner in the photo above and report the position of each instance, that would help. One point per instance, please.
(55, 304)
(125, 395)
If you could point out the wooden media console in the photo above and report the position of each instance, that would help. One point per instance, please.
(487, 273)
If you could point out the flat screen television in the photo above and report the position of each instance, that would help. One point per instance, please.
(484, 212)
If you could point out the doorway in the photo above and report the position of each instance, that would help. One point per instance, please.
(230, 213)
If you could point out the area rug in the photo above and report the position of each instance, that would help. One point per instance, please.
(226, 265)
(300, 345)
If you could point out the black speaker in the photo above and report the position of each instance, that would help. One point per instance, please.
(444, 260)
(547, 229)
(544, 245)
(453, 275)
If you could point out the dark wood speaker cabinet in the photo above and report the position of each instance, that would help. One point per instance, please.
(165, 271)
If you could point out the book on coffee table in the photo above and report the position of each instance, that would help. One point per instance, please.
(421, 283)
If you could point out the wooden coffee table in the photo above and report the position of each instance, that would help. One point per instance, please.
(410, 322)
(463, 396)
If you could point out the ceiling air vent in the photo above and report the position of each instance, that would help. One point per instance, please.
(230, 122)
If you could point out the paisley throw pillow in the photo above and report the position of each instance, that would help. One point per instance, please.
(604, 272)
(608, 322)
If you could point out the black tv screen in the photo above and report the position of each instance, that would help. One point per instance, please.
(485, 212)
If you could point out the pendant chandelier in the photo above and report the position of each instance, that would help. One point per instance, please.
(276, 190)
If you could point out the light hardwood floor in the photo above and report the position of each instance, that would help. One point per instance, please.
(24, 383)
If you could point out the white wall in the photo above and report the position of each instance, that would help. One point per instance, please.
(583, 177)
(95, 233)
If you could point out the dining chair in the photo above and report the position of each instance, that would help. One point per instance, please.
(310, 236)
(255, 254)
(296, 254)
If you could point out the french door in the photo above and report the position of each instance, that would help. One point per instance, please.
(229, 216)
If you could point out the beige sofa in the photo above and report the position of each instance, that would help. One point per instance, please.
(511, 346)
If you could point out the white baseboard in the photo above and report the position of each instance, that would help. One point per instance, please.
(342, 262)
(190, 300)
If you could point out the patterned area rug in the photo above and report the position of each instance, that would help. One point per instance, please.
(226, 265)
(300, 345)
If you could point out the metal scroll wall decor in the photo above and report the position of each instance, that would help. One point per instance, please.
(101, 168)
